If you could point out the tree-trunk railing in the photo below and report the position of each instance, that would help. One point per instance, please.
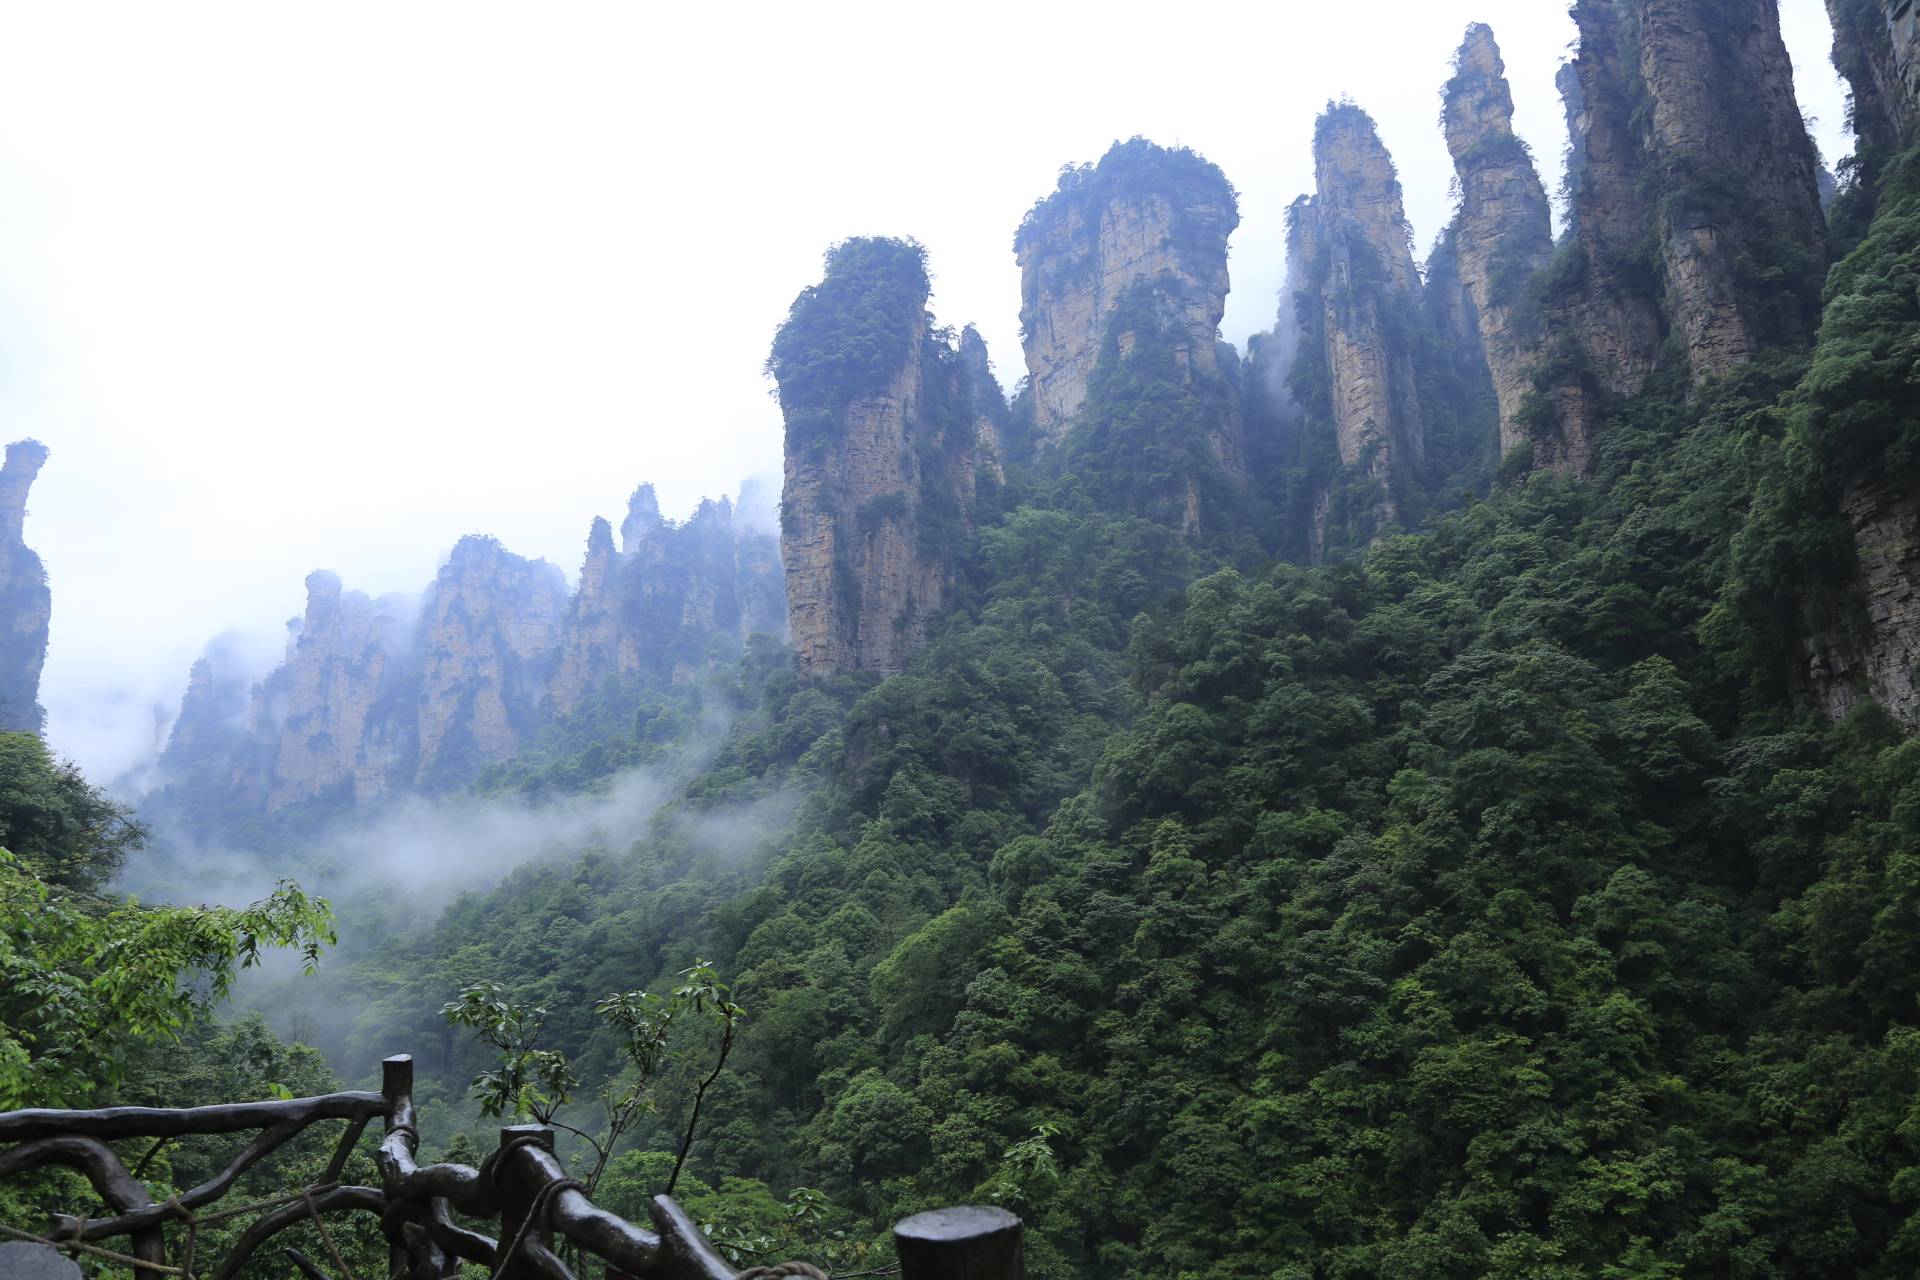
(521, 1185)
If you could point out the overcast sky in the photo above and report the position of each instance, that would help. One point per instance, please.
(290, 287)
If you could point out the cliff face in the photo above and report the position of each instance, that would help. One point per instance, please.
(1724, 112)
(1144, 213)
(488, 629)
(25, 601)
(879, 448)
(378, 696)
(1503, 233)
(313, 730)
(1884, 514)
(1876, 46)
(1353, 282)
(673, 598)
(992, 421)
(1689, 139)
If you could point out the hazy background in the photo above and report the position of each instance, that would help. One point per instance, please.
(332, 286)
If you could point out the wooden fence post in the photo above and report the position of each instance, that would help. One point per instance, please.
(396, 1086)
(518, 1191)
(960, 1244)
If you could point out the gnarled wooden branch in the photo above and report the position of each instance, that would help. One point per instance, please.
(159, 1122)
(333, 1199)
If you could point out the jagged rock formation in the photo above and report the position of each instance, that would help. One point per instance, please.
(24, 597)
(1143, 213)
(880, 449)
(489, 626)
(1350, 252)
(379, 696)
(672, 598)
(312, 729)
(1503, 233)
(1688, 138)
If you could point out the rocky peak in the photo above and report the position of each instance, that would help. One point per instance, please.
(24, 460)
(1356, 186)
(1693, 161)
(1353, 290)
(312, 724)
(599, 561)
(676, 596)
(991, 418)
(643, 519)
(879, 431)
(1143, 213)
(26, 605)
(488, 629)
(1503, 232)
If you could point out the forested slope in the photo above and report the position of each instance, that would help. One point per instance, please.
(1493, 902)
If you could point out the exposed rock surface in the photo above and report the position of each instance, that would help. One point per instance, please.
(674, 597)
(880, 456)
(1878, 662)
(1903, 28)
(489, 626)
(992, 420)
(1352, 276)
(1688, 139)
(1143, 213)
(1876, 47)
(313, 732)
(24, 597)
(1724, 112)
(1503, 233)
(1453, 315)
(379, 696)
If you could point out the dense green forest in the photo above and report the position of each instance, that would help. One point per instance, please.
(1485, 900)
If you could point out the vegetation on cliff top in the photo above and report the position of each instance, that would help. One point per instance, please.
(1133, 169)
(850, 335)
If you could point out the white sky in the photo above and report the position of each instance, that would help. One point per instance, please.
(288, 287)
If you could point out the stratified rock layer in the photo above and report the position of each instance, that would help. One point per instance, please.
(1503, 233)
(24, 597)
(1143, 213)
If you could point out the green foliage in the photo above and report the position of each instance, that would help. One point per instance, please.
(81, 984)
(66, 831)
(1135, 169)
(848, 336)
(1147, 439)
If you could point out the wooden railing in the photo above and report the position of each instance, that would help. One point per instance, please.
(542, 1214)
